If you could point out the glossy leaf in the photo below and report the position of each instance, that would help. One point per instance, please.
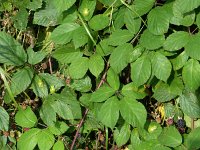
(161, 66)
(121, 136)
(170, 137)
(11, 52)
(141, 70)
(102, 94)
(17, 86)
(96, 64)
(64, 33)
(151, 41)
(29, 139)
(35, 57)
(133, 112)
(191, 48)
(158, 21)
(26, 118)
(99, 22)
(190, 74)
(45, 139)
(79, 68)
(4, 119)
(179, 61)
(193, 139)
(82, 85)
(190, 104)
(120, 37)
(121, 53)
(176, 41)
(109, 112)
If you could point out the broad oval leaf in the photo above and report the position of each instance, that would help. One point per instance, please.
(35, 57)
(161, 66)
(113, 79)
(192, 47)
(45, 139)
(26, 118)
(141, 70)
(11, 52)
(122, 136)
(99, 22)
(170, 136)
(176, 41)
(17, 86)
(190, 74)
(109, 112)
(28, 140)
(190, 104)
(193, 139)
(101, 94)
(59, 145)
(64, 33)
(120, 37)
(96, 64)
(179, 61)
(121, 53)
(4, 119)
(151, 41)
(133, 112)
(78, 68)
(158, 21)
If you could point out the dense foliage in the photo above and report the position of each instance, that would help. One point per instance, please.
(100, 74)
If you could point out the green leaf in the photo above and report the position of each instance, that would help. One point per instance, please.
(34, 4)
(193, 139)
(191, 48)
(151, 41)
(21, 19)
(198, 20)
(39, 86)
(179, 61)
(64, 33)
(121, 53)
(82, 85)
(190, 104)
(58, 128)
(122, 136)
(99, 22)
(52, 80)
(66, 54)
(35, 57)
(60, 5)
(28, 140)
(142, 7)
(26, 118)
(103, 48)
(190, 74)
(184, 6)
(109, 112)
(141, 70)
(158, 21)
(161, 66)
(96, 64)
(4, 119)
(133, 112)
(45, 139)
(110, 2)
(132, 24)
(59, 145)
(17, 86)
(135, 137)
(176, 41)
(47, 112)
(118, 20)
(78, 68)
(113, 79)
(87, 8)
(120, 37)
(11, 52)
(170, 137)
(131, 91)
(103, 93)
(80, 37)
(136, 53)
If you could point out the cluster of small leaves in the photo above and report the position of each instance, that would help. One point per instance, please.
(121, 61)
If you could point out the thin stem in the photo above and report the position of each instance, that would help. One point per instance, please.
(106, 138)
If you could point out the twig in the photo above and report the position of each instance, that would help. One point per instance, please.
(86, 111)
(50, 65)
